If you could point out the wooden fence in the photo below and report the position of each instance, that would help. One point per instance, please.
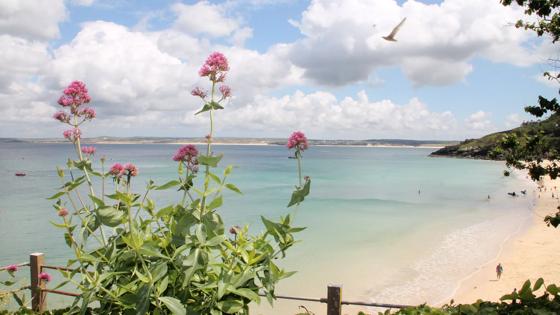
(39, 290)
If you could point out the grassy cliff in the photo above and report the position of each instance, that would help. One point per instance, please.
(482, 148)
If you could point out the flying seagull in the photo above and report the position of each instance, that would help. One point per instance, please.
(391, 37)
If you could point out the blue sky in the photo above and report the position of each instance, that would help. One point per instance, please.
(457, 70)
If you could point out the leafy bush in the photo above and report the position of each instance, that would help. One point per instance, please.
(522, 302)
(132, 256)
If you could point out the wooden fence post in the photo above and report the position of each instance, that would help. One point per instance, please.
(334, 299)
(38, 296)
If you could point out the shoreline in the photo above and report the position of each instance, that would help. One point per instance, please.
(528, 254)
(247, 144)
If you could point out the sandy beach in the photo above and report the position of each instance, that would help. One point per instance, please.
(532, 254)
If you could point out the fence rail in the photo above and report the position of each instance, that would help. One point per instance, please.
(39, 290)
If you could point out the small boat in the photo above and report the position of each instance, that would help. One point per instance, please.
(20, 174)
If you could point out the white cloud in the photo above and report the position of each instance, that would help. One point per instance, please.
(140, 80)
(513, 120)
(20, 60)
(31, 19)
(146, 77)
(241, 35)
(322, 115)
(125, 70)
(204, 18)
(85, 3)
(343, 41)
(479, 120)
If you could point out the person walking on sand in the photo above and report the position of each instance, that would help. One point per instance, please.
(499, 271)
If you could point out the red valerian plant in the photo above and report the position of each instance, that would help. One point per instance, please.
(131, 256)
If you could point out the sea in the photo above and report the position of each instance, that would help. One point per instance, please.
(390, 225)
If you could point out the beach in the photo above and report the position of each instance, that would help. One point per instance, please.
(532, 254)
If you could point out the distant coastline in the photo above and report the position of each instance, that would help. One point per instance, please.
(383, 143)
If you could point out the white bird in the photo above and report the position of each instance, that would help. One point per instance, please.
(391, 36)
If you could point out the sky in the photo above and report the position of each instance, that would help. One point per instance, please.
(459, 68)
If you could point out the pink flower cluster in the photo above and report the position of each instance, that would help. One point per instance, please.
(45, 276)
(12, 268)
(62, 212)
(297, 140)
(88, 150)
(74, 95)
(72, 134)
(225, 90)
(128, 169)
(131, 169)
(116, 170)
(188, 154)
(215, 66)
(62, 117)
(87, 113)
(199, 92)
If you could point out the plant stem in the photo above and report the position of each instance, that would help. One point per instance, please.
(103, 179)
(208, 151)
(185, 192)
(298, 155)
(90, 185)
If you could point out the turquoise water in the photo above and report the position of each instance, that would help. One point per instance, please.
(368, 228)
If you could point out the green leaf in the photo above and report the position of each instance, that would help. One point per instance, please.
(216, 203)
(526, 293)
(215, 178)
(299, 194)
(57, 195)
(200, 233)
(165, 211)
(216, 240)
(162, 286)
(234, 188)
(68, 239)
(169, 184)
(174, 305)
(17, 298)
(216, 105)
(60, 172)
(205, 108)
(159, 271)
(230, 306)
(61, 225)
(150, 251)
(120, 196)
(97, 201)
(553, 289)
(228, 170)
(247, 293)
(110, 216)
(142, 277)
(144, 300)
(211, 161)
(538, 284)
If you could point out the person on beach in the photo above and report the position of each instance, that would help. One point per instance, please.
(499, 270)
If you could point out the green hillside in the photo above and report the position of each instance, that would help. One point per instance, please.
(483, 147)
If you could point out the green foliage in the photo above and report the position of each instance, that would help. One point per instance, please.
(547, 12)
(486, 147)
(176, 259)
(532, 151)
(522, 302)
(133, 256)
(13, 289)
